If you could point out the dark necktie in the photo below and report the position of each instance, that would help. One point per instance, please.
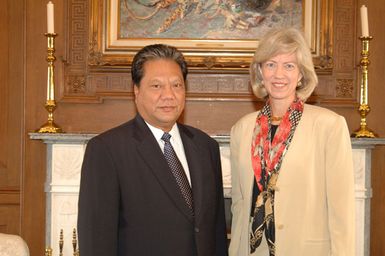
(177, 170)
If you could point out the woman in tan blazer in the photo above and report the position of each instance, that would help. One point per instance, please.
(291, 163)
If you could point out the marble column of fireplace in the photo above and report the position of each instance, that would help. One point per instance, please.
(65, 156)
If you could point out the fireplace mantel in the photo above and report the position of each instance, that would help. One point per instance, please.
(64, 159)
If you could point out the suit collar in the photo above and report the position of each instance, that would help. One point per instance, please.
(152, 155)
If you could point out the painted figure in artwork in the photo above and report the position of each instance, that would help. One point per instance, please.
(178, 12)
(206, 18)
(223, 14)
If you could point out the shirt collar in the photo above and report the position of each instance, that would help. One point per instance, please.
(158, 133)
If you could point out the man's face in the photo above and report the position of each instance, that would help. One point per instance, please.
(160, 97)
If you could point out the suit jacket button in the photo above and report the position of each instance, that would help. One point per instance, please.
(196, 230)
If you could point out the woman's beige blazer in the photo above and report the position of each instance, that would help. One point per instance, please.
(314, 200)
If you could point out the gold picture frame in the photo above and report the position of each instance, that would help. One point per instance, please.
(109, 51)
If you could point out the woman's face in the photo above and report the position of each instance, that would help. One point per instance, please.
(280, 77)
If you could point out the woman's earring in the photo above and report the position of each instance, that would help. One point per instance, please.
(299, 84)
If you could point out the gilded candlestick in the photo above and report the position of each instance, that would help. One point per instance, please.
(61, 243)
(364, 109)
(74, 243)
(50, 105)
(48, 252)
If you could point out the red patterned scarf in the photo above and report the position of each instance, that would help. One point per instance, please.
(266, 156)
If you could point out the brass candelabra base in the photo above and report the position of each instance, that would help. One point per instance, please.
(50, 126)
(363, 131)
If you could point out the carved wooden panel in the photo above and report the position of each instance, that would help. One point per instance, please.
(345, 41)
(9, 211)
(9, 219)
(77, 41)
(344, 88)
(345, 67)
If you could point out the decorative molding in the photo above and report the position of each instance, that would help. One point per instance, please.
(95, 57)
(323, 62)
(209, 62)
(344, 36)
(75, 68)
(78, 29)
(9, 196)
(344, 88)
(67, 162)
(219, 84)
(76, 84)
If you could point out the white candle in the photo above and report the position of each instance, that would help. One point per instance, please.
(364, 21)
(50, 18)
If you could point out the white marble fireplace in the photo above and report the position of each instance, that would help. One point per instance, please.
(65, 156)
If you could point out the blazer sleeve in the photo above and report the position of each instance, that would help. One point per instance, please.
(340, 189)
(236, 194)
(98, 202)
(221, 238)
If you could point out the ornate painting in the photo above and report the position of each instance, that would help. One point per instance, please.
(205, 19)
(213, 34)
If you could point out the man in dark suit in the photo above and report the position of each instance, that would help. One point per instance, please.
(144, 193)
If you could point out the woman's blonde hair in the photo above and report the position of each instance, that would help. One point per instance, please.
(284, 41)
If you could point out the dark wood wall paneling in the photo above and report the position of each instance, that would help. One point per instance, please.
(33, 210)
(22, 96)
(11, 115)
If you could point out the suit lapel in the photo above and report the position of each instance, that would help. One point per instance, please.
(197, 158)
(152, 155)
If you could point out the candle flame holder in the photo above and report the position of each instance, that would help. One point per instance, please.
(364, 109)
(50, 105)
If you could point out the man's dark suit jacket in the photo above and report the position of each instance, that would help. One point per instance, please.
(129, 202)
